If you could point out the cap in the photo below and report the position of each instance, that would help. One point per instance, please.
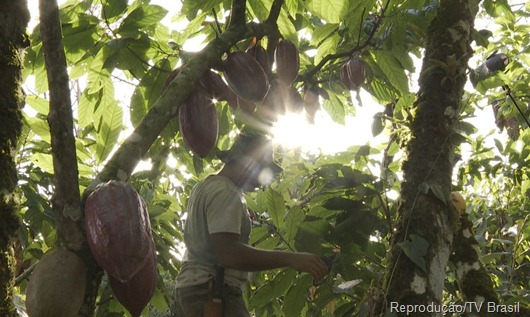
(255, 146)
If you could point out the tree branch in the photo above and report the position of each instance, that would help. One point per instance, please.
(66, 201)
(238, 12)
(275, 11)
(122, 163)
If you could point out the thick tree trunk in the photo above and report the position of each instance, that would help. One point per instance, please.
(14, 18)
(427, 221)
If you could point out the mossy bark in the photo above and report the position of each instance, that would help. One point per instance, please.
(425, 213)
(473, 280)
(14, 18)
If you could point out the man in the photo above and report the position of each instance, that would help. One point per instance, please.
(217, 232)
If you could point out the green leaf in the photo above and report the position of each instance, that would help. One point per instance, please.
(436, 189)
(142, 17)
(38, 104)
(328, 46)
(292, 7)
(191, 7)
(275, 206)
(392, 69)
(295, 216)
(382, 92)
(114, 8)
(322, 32)
(416, 250)
(331, 11)
(109, 131)
(260, 8)
(378, 125)
(43, 161)
(40, 127)
(438, 192)
(335, 108)
(286, 27)
(138, 105)
(85, 110)
(295, 299)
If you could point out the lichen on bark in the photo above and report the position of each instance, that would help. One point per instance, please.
(425, 210)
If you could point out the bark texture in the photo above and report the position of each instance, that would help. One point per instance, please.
(14, 18)
(66, 202)
(427, 221)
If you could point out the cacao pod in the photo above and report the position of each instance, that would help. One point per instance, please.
(232, 99)
(57, 285)
(273, 106)
(261, 56)
(245, 76)
(245, 106)
(118, 229)
(353, 73)
(136, 293)
(170, 78)
(213, 86)
(294, 103)
(199, 125)
(311, 103)
(287, 61)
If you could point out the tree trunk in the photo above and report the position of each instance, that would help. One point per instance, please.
(422, 242)
(14, 18)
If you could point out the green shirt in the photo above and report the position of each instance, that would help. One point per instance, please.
(215, 205)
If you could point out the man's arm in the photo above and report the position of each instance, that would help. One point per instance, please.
(233, 254)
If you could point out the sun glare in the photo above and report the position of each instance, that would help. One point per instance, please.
(324, 136)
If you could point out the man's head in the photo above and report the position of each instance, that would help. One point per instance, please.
(253, 155)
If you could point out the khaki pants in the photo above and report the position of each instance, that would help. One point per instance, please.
(189, 301)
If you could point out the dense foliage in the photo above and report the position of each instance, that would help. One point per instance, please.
(342, 204)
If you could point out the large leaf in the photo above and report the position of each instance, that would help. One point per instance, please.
(392, 69)
(141, 17)
(191, 7)
(275, 206)
(416, 250)
(333, 11)
(295, 299)
(109, 132)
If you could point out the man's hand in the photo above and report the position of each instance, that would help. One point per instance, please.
(231, 253)
(309, 263)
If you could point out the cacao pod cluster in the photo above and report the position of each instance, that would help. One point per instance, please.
(119, 236)
(256, 89)
(56, 286)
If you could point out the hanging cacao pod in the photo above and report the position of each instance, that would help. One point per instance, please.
(245, 106)
(174, 73)
(118, 229)
(353, 73)
(273, 106)
(294, 103)
(136, 293)
(57, 285)
(213, 86)
(199, 125)
(245, 76)
(261, 56)
(287, 61)
(311, 103)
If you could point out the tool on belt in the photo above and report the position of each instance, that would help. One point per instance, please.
(214, 306)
